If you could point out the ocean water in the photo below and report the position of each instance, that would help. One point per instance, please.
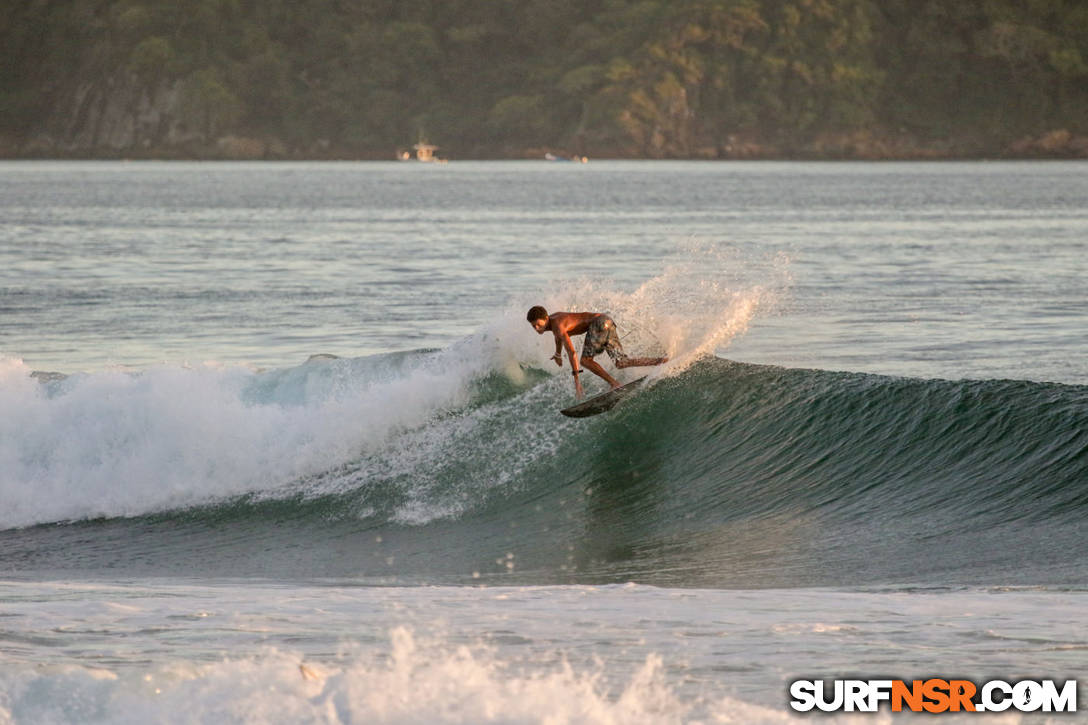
(277, 444)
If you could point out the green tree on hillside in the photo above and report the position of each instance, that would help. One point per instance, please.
(657, 78)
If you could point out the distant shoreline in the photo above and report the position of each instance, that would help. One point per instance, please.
(1076, 148)
(375, 159)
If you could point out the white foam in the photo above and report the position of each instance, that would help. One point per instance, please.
(119, 444)
(411, 682)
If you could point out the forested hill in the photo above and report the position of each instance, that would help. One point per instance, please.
(501, 78)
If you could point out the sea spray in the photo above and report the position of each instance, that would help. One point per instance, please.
(120, 443)
(705, 296)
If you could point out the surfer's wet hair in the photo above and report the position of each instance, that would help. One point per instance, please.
(536, 313)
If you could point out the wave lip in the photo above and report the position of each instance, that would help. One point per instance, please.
(742, 439)
(722, 474)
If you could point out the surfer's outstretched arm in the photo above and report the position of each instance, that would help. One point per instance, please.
(564, 337)
(558, 356)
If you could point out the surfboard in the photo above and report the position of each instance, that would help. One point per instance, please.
(603, 402)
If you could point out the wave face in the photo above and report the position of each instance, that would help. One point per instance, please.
(450, 465)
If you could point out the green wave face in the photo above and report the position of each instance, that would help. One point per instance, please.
(726, 475)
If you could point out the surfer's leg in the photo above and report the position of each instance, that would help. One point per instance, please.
(621, 360)
(640, 362)
(595, 367)
(597, 337)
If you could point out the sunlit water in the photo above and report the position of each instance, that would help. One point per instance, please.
(191, 278)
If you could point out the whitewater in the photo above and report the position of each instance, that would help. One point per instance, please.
(278, 445)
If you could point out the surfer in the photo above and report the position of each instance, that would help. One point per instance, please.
(601, 336)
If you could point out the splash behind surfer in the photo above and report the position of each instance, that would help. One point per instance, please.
(601, 336)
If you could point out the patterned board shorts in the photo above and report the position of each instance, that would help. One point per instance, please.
(602, 337)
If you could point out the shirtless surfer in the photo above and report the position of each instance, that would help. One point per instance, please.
(601, 336)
